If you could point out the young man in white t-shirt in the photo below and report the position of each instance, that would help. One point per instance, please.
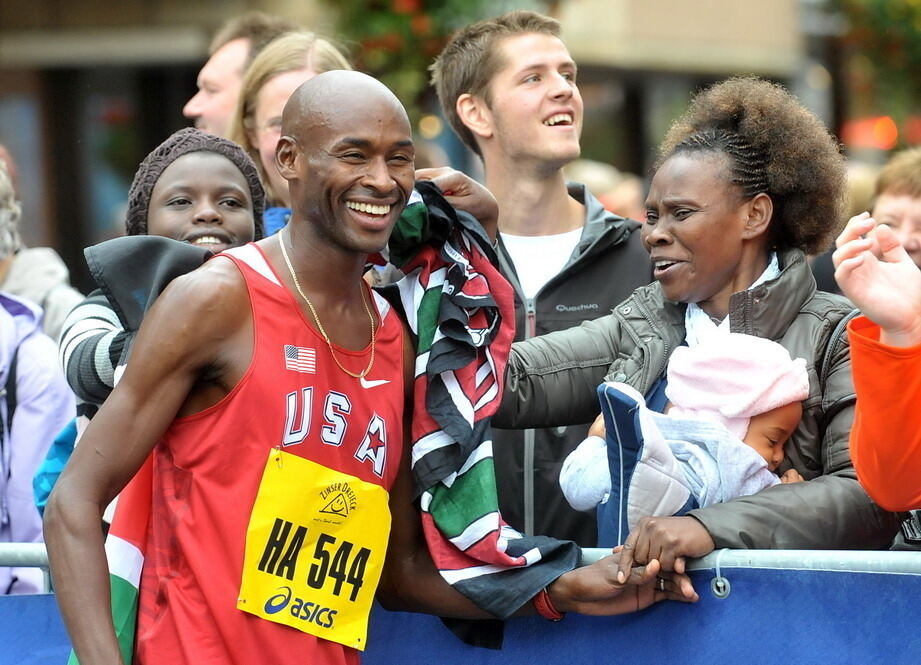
(508, 88)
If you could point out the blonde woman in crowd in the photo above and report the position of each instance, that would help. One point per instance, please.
(277, 72)
(35, 404)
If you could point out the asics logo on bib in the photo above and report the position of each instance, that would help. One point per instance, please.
(279, 601)
(304, 610)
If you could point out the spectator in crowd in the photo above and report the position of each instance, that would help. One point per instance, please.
(94, 341)
(894, 199)
(598, 177)
(211, 404)
(733, 402)
(508, 88)
(898, 200)
(256, 125)
(748, 181)
(194, 187)
(881, 277)
(233, 48)
(861, 187)
(34, 405)
(35, 274)
(626, 197)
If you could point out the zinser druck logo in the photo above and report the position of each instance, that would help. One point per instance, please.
(305, 610)
(340, 499)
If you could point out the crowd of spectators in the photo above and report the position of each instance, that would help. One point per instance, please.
(747, 194)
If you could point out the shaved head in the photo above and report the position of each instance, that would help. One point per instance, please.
(334, 98)
(347, 153)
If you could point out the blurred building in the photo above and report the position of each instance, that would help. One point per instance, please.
(641, 60)
(88, 88)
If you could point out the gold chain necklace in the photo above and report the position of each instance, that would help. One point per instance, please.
(316, 318)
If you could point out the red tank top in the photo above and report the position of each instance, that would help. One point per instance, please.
(208, 466)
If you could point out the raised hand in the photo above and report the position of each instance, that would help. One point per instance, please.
(877, 274)
(465, 193)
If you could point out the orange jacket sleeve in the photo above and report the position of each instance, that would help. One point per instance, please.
(886, 436)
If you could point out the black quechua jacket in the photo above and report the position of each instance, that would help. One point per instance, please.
(605, 267)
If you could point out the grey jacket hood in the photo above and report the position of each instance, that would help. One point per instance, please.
(34, 272)
(39, 275)
(602, 227)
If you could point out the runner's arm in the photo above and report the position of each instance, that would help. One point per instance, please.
(187, 330)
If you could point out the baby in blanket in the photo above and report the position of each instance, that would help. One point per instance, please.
(734, 400)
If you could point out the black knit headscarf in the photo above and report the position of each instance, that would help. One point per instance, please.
(182, 143)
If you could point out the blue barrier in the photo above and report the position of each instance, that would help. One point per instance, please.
(31, 631)
(782, 607)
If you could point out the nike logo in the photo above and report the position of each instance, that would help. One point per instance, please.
(372, 384)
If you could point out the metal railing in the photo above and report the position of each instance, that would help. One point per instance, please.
(858, 561)
(27, 555)
(859, 607)
(855, 561)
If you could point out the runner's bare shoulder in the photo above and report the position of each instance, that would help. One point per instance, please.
(199, 310)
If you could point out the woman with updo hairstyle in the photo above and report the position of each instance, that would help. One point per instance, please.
(747, 182)
(278, 70)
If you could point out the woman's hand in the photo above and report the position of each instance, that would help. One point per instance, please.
(791, 476)
(877, 274)
(668, 540)
(595, 590)
(465, 193)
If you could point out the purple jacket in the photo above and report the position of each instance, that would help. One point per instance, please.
(44, 404)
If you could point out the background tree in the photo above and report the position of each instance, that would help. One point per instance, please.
(396, 40)
(884, 40)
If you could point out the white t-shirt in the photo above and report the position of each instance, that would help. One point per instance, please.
(539, 258)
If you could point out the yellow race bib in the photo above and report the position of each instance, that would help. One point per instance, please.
(315, 549)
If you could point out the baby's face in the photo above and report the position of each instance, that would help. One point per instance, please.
(768, 432)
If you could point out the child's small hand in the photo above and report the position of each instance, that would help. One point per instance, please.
(597, 428)
(791, 476)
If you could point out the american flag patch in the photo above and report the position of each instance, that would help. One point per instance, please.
(300, 359)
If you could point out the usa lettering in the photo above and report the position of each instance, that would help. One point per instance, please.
(333, 426)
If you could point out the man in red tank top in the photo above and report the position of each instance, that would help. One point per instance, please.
(269, 386)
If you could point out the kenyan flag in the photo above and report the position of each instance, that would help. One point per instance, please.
(461, 311)
(125, 553)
